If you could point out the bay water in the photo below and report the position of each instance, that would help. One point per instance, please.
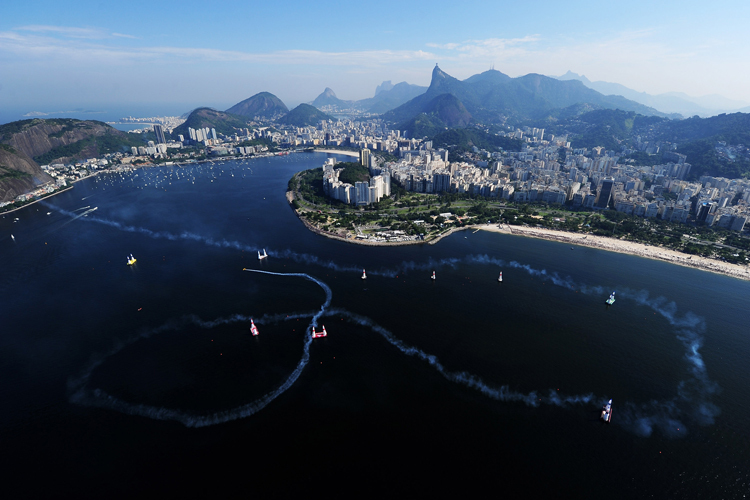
(125, 380)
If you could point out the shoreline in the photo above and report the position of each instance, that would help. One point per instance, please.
(579, 239)
(37, 200)
(133, 167)
(625, 247)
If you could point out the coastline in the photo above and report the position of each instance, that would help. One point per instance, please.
(626, 247)
(140, 165)
(579, 239)
(37, 200)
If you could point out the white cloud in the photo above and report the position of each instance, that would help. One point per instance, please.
(647, 60)
(122, 35)
(73, 46)
(494, 48)
(66, 31)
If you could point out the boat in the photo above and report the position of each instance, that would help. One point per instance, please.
(263, 255)
(611, 299)
(607, 412)
(253, 328)
(322, 333)
(500, 278)
(364, 275)
(433, 275)
(12, 237)
(131, 260)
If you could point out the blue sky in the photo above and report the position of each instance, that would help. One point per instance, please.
(173, 56)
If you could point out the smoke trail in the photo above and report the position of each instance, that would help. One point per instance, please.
(502, 393)
(696, 392)
(300, 258)
(404, 267)
(186, 235)
(99, 398)
(694, 395)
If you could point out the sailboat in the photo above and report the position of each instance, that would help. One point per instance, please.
(364, 275)
(607, 412)
(322, 333)
(131, 260)
(611, 299)
(263, 255)
(500, 278)
(253, 328)
(433, 275)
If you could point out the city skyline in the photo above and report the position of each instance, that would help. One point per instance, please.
(177, 56)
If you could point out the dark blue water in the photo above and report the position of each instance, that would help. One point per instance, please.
(120, 381)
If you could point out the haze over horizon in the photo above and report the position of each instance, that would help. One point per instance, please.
(171, 57)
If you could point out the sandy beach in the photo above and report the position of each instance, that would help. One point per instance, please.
(622, 246)
(588, 240)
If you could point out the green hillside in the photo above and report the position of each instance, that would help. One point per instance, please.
(224, 123)
(459, 140)
(304, 115)
(263, 104)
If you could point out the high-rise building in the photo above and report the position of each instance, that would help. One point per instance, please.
(441, 182)
(364, 158)
(605, 192)
(159, 132)
(362, 190)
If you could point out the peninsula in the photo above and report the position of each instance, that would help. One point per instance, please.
(407, 218)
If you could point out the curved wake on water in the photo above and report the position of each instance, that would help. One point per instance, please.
(693, 394)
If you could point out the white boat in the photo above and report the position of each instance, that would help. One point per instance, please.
(263, 255)
(611, 299)
(433, 275)
(12, 237)
(607, 412)
(253, 328)
(364, 275)
(500, 278)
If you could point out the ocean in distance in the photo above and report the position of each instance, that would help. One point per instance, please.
(122, 380)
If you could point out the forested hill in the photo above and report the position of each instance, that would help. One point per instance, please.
(26, 144)
(697, 138)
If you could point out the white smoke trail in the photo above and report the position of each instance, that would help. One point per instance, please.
(502, 393)
(99, 398)
(185, 235)
(696, 392)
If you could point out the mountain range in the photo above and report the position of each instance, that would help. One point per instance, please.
(387, 96)
(568, 105)
(670, 102)
(492, 97)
